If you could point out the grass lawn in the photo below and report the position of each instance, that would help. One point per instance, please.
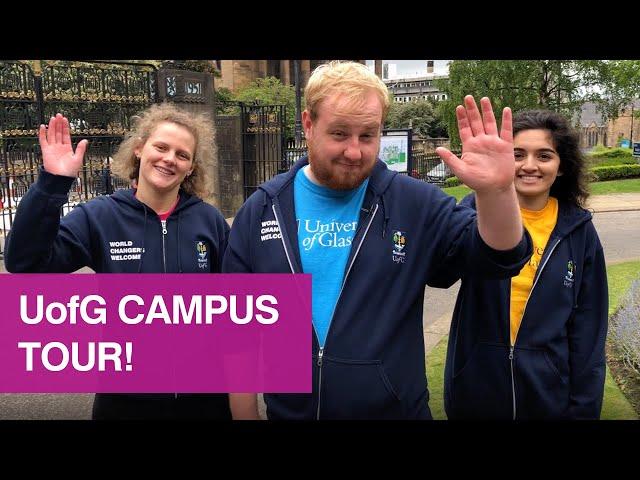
(459, 192)
(628, 185)
(615, 406)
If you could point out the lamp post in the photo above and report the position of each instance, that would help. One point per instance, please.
(631, 133)
(296, 79)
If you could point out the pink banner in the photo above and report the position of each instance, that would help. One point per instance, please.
(153, 333)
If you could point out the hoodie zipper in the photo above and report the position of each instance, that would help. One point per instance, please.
(344, 281)
(538, 274)
(164, 261)
(164, 233)
(286, 251)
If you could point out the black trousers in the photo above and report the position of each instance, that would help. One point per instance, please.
(153, 406)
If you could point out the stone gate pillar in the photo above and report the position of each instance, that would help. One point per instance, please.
(194, 92)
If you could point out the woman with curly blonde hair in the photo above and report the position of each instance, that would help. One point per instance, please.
(168, 156)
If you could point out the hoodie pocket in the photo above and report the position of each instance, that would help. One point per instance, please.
(358, 389)
(541, 391)
(481, 389)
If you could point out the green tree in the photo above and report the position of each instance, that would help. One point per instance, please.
(223, 97)
(620, 86)
(206, 66)
(558, 85)
(419, 115)
(271, 91)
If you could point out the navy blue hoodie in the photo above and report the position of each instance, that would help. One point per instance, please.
(373, 362)
(119, 234)
(556, 369)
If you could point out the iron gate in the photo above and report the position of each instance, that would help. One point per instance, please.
(98, 98)
(263, 144)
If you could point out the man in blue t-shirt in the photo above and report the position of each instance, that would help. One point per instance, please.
(327, 222)
(372, 239)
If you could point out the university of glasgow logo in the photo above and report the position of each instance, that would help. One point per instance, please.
(399, 243)
(203, 261)
(571, 270)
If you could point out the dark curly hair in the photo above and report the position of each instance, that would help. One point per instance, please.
(571, 186)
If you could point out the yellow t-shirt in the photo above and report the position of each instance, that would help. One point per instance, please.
(540, 224)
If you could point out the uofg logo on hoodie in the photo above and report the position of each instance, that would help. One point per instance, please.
(568, 278)
(203, 260)
(399, 243)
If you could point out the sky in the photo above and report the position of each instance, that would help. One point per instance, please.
(415, 67)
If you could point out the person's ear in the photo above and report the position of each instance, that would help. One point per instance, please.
(307, 123)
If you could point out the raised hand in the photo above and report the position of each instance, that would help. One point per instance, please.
(487, 162)
(58, 157)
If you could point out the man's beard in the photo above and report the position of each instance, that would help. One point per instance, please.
(328, 176)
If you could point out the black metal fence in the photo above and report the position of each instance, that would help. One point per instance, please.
(99, 98)
(263, 144)
(429, 167)
(294, 151)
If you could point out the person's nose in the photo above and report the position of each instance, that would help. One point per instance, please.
(353, 149)
(170, 157)
(530, 164)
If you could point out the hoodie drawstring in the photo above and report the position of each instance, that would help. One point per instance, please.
(386, 217)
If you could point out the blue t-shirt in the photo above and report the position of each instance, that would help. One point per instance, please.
(327, 223)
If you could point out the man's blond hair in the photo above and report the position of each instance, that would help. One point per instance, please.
(350, 79)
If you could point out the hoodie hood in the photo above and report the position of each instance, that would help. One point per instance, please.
(570, 217)
(128, 197)
(379, 182)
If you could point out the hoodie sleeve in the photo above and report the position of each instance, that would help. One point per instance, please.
(463, 252)
(225, 244)
(237, 255)
(587, 333)
(222, 239)
(39, 241)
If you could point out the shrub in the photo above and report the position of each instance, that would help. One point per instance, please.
(624, 328)
(452, 182)
(616, 171)
(611, 152)
(610, 161)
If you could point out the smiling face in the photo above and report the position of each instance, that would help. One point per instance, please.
(343, 140)
(537, 166)
(166, 158)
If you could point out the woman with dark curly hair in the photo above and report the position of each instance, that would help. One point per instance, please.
(157, 225)
(533, 347)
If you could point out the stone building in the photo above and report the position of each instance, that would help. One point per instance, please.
(238, 73)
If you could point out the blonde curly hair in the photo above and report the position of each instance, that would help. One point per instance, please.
(126, 165)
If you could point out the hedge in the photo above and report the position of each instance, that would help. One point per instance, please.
(615, 172)
(452, 182)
